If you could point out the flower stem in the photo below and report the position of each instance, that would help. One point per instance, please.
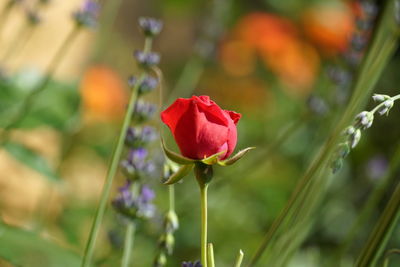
(379, 237)
(128, 245)
(388, 254)
(116, 156)
(203, 201)
(210, 255)
(374, 198)
(239, 259)
(171, 195)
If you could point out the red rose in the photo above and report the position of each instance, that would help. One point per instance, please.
(201, 128)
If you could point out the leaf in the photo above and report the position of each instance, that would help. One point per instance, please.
(31, 159)
(182, 172)
(26, 249)
(213, 159)
(236, 157)
(56, 106)
(175, 157)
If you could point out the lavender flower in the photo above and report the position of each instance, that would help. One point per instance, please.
(150, 26)
(137, 137)
(190, 264)
(136, 165)
(148, 84)
(147, 59)
(317, 105)
(376, 167)
(132, 206)
(143, 111)
(340, 76)
(145, 208)
(87, 15)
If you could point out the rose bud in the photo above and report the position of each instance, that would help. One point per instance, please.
(201, 128)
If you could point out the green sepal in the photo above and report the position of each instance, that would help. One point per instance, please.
(235, 158)
(182, 172)
(175, 157)
(213, 159)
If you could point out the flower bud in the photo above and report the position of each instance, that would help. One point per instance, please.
(343, 150)
(336, 165)
(161, 260)
(364, 119)
(171, 221)
(349, 131)
(355, 138)
(380, 98)
(167, 241)
(150, 26)
(385, 108)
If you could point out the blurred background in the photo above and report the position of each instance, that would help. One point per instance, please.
(286, 66)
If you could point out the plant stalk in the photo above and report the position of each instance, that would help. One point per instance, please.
(379, 237)
(112, 170)
(128, 245)
(203, 203)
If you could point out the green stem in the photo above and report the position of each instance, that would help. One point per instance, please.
(203, 201)
(373, 200)
(379, 237)
(239, 259)
(388, 254)
(29, 99)
(128, 246)
(210, 255)
(112, 170)
(171, 195)
(110, 12)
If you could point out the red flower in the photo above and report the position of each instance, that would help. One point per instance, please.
(201, 128)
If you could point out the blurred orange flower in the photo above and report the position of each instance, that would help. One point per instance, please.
(329, 25)
(238, 58)
(104, 95)
(278, 42)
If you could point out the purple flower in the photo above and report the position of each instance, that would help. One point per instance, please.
(376, 167)
(87, 15)
(148, 84)
(143, 111)
(146, 194)
(190, 264)
(132, 206)
(137, 137)
(150, 26)
(136, 164)
(147, 59)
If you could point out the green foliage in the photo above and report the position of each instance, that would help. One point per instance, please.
(57, 107)
(31, 159)
(26, 249)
